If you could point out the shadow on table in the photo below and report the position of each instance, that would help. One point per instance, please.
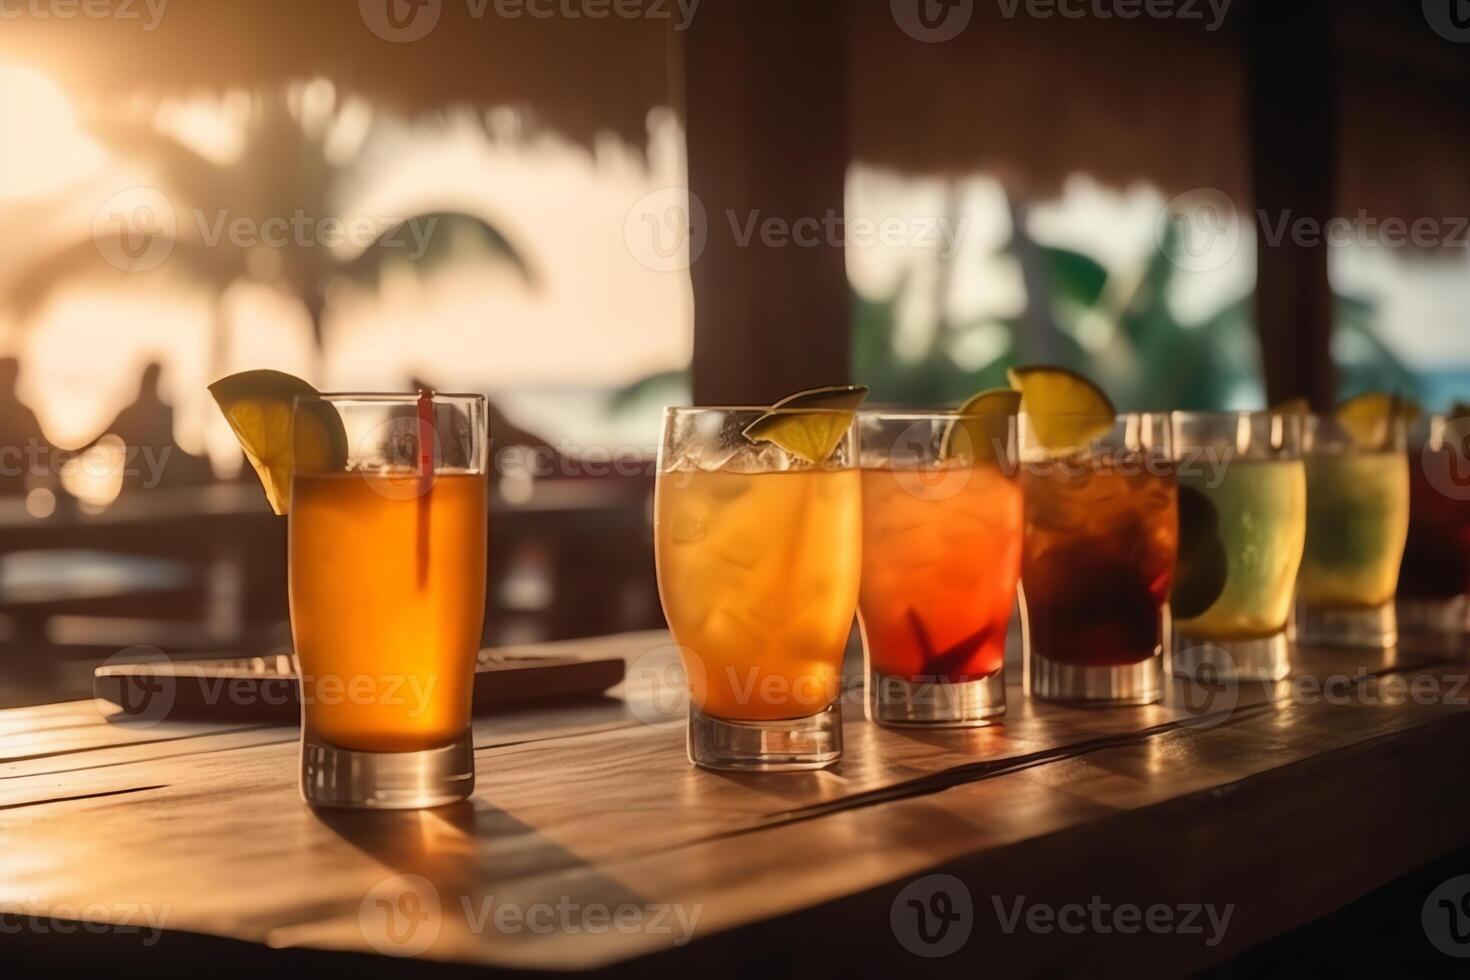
(472, 851)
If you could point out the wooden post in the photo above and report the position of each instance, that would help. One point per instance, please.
(766, 112)
(1292, 111)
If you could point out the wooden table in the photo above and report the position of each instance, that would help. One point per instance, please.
(1280, 803)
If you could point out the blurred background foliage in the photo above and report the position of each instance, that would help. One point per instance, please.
(1117, 328)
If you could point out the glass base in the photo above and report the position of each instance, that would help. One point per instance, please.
(1434, 615)
(1140, 683)
(783, 745)
(900, 703)
(1374, 628)
(1259, 659)
(336, 777)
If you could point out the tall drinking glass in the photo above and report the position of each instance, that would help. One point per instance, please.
(1435, 577)
(758, 554)
(1357, 524)
(1098, 561)
(941, 559)
(387, 544)
(1243, 522)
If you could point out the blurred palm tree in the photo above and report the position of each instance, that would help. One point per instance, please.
(285, 169)
(1118, 328)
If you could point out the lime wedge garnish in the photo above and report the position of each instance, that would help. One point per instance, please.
(1203, 565)
(809, 424)
(983, 424)
(1369, 417)
(1065, 409)
(259, 407)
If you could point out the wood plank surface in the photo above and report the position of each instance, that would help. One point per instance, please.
(1261, 797)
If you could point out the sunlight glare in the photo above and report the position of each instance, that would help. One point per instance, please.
(42, 149)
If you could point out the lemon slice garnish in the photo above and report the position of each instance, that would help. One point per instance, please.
(1369, 417)
(984, 422)
(1066, 410)
(809, 424)
(259, 406)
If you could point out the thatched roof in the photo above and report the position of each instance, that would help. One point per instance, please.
(1026, 99)
(581, 77)
(1034, 101)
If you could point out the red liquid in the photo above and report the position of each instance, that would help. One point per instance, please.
(1437, 557)
(941, 556)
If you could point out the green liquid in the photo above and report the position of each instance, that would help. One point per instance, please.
(1262, 509)
(1357, 523)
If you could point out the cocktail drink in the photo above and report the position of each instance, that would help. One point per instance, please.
(1357, 524)
(386, 537)
(1101, 540)
(758, 553)
(1242, 518)
(366, 613)
(941, 546)
(1435, 576)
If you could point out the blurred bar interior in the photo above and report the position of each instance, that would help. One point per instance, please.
(473, 202)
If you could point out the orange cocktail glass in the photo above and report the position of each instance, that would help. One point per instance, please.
(387, 550)
(941, 559)
(758, 556)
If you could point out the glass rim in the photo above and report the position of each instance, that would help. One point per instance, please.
(1243, 413)
(919, 415)
(385, 396)
(671, 410)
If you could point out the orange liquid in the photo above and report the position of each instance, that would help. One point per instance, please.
(386, 637)
(941, 557)
(758, 574)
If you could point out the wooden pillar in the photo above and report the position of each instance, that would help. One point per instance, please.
(766, 112)
(1293, 143)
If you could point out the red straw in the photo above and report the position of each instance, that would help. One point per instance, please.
(426, 477)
